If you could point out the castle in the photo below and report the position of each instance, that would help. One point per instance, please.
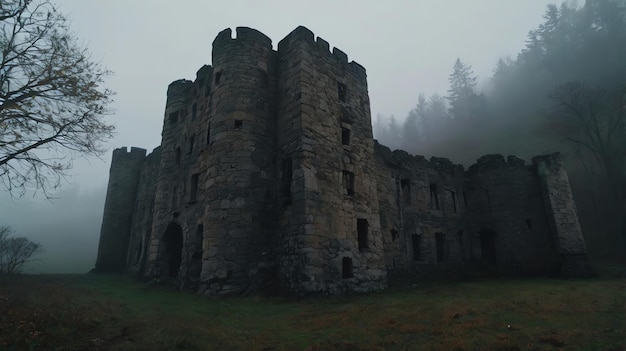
(268, 173)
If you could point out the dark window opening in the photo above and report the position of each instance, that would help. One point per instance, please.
(172, 249)
(488, 247)
(218, 77)
(465, 199)
(285, 180)
(405, 184)
(194, 187)
(173, 117)
(434, 198)
(362, 233)
(440, 241)
(453, 196)
(191, 140)
(345, 136)
(394, 235)
(208, 135)
(348, 182)
(238, 123)
(529, 224)
(194, 110)
(200, 233)
(346, 268)
(177, 157)
(416, 240)
(342, 90)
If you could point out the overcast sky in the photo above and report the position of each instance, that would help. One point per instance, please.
(407, 47)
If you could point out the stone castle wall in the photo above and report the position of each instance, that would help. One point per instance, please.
(268, 174)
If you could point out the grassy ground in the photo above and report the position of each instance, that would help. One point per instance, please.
(95, 312)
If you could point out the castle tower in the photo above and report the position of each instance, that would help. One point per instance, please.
(330, 221)
(239, 214)
(119, 208)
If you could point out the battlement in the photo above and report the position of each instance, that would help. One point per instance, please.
(178, 87)
(244, 36)
(304, 35)
(134, 151)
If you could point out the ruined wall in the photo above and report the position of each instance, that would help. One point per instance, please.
(508, 226)
(330, 222)
(118, 209)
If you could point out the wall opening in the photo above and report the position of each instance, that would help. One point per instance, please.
(362, 228)
(195, 264)
(348, 182)
(194, 187)
(488, 247)
(286, 176)
(434, 198)
(191, 141)
(405, 184)
(529, 224)
(453, 197)
(440, 241)
(394, 235)
(218, 77)
(416, 241)
(172, 243)
(177, 155)
(194, 110)
(208, 134)
(173, 117)
(342, 91)
(345, 136)
(346, 268)
(238, 123)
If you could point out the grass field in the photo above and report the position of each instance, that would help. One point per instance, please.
(98, 312)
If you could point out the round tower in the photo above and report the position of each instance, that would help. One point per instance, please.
(119, 208)
(239, 212)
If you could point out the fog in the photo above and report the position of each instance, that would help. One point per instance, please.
(408, 48)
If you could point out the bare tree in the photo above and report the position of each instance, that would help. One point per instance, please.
(52, 103)
(15, 251)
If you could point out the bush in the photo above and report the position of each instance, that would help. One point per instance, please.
(15, 251)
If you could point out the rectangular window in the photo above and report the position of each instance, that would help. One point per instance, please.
(345, 136)
(346, 268)
(348, 182)
(453, 196)
(417, 246)
(434, 198)
(362, 228)
(405, 184)
(218, 77)
(208, 134)
(342, 90)
(194, 188)
(238, 123)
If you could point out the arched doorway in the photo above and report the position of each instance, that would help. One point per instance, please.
(172, 244)
(488, 247)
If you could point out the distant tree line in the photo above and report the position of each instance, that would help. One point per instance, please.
(565, 91)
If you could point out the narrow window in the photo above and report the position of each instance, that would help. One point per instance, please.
(348, 182)
(341, 88)
(345, 136)
(394, 235)
(346, 268)
(285, 179)
(194, 188)
(177, 155)
(194, 110)
(362, 229)
(218, 76)
(453, 196)
(441, 245)
(416, 240)
(405, 184)
(173, 117)
(191, 140)
(200, 233)
(208, 134)
(238, 123)
(434, 199)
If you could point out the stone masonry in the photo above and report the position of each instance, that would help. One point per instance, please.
(268, 175)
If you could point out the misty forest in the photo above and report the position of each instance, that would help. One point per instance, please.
(566, 91)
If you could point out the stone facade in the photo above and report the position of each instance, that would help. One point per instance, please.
(268, 174)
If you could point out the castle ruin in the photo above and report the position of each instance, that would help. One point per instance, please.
(268, 174)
